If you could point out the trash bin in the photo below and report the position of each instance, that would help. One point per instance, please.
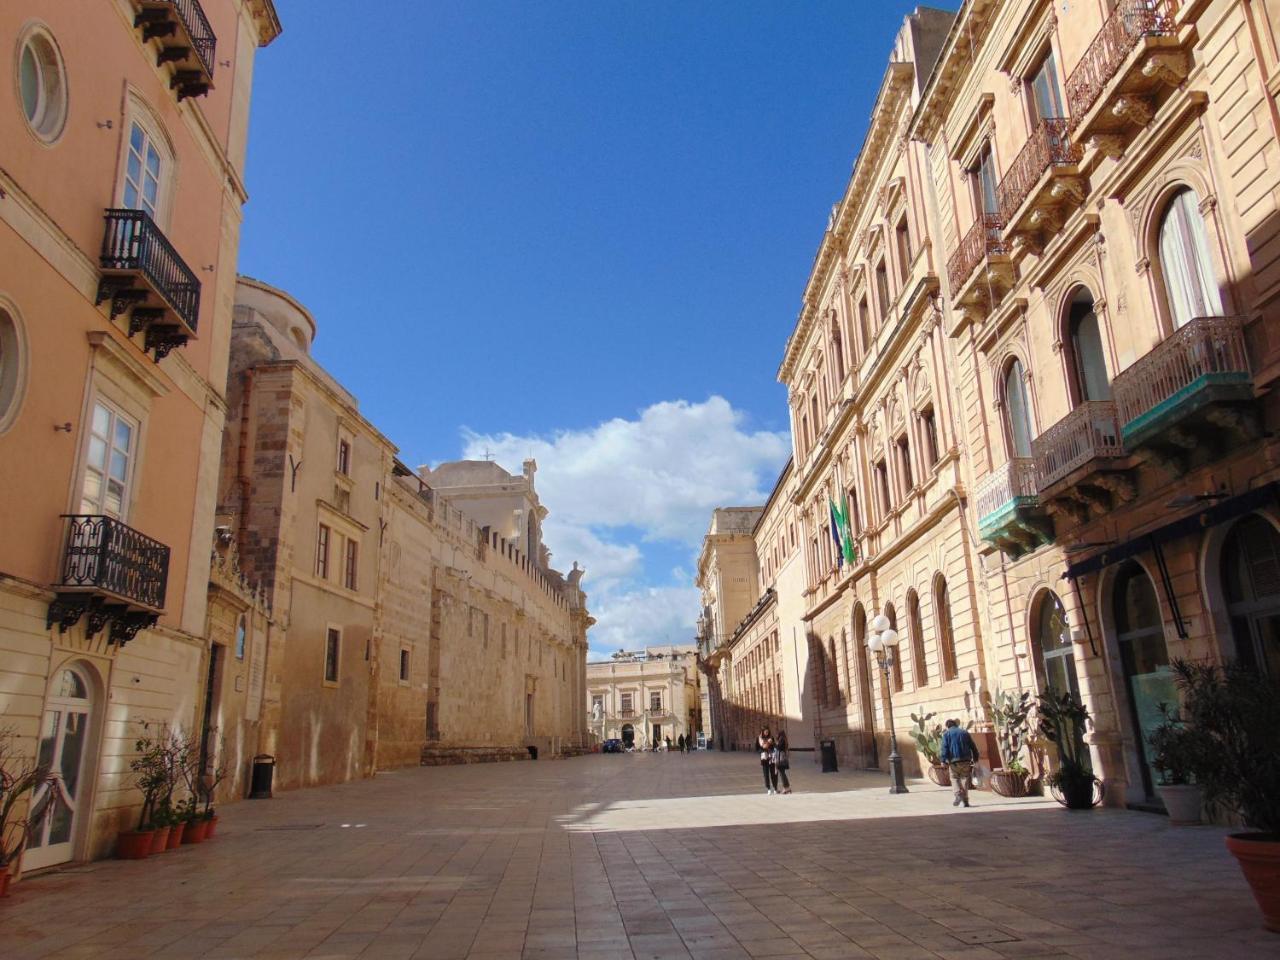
(264, 770)
(829, 756)
(533, 751)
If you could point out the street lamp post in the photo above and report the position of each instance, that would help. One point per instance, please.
(883, 642)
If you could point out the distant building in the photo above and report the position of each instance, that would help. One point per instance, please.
(646, 697)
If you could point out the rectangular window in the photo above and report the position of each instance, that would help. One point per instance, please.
(404, 665)
(241, 637)
(322, 552)
(904, 462)
(349, 576)
(855, 516)
(332, 649)
(882, 487)
(864, 324)
(929, 427)
(626, 703)
(655, 700)
(1046, 94)
(882, 290)
(344, 458)
(108, 462)
(984, 181)
(903, 235)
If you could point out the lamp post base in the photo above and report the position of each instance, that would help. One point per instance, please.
(897, 784)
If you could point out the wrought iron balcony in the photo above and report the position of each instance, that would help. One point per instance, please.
(1193, 390)
(1135, 51)
(1080, 462)
(1042, 180)
(143, 275)
(112, 573)
(1008, 506)
(983, 244)
(186, 40)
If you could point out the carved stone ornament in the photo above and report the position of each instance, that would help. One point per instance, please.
(1133, 110)
(1108, 144)
(1196, 150)
(1169, 68)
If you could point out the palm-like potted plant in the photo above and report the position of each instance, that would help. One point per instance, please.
(1062, 721)
(1175, 747)
(19, 776)
(1237, 712)
(928, 738)
(1009, 716)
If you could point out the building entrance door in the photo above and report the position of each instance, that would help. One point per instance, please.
(64, 742)
(628, 735)
(1145, 657)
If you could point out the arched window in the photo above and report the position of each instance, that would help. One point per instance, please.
(1089, 365)
(13, 367)
(818, 671)
(918, 665)
(833, 673)
(892, 616)
(1016, 410)
(1055, 660)
(241, 634)
(1251, 582)
(1144, 656)
(1189, 285)
(866, 705)
(65, 745)
(946, 635)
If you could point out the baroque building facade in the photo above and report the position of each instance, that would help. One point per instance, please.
(1034, 359)
(645, 698)
(124, 127)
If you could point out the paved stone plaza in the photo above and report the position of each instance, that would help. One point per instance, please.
(651, 856)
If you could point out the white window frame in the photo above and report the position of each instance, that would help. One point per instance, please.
(50, 118)
(116, 414)
(137, 112)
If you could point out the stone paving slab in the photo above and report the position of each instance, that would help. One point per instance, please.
(651, 856)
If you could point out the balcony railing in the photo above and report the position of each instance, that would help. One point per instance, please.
(1049, 145)
(1207, 353)
(186, 38)
(1089, 432)
(984, 239)
(1129, 23)
(1012, 483)
(133, 244)
(104, 554)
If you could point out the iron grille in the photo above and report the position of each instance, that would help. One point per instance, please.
(133, 242)
(104, 554)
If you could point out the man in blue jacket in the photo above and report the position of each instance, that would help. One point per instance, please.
(959, 753)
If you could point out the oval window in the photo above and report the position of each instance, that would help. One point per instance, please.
(42, 85)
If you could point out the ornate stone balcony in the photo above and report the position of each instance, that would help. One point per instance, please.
(1041, 187)
(1192, 392)
(1081, 464)
(1110, 91)
(980, 262)
(111, 573)
(1007, 502)
(143, 275)
(185, 38)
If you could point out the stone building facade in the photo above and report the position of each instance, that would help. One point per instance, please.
(403, 629)
(645, 698)
(124, 128)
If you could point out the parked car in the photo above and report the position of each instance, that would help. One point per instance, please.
(612, 745)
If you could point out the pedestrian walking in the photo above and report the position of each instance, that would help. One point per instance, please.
(959, 753)
(766, 743)
(782, 759)
(668, 739)
(680, 742)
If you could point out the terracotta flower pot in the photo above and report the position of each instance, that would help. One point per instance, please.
(133, 844)
(175, 837)
(194, 832)
(210, 826)
(1007, 783)
(1182, 802)
(940, 774)
(1259, 857)
(159, 839)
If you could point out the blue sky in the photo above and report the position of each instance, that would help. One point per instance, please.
(573, 230)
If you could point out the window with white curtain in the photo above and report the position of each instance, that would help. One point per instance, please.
(1190, 288)
(1017, 410)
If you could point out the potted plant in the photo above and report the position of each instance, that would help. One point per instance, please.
(150, 771)
(1174, 745)
(1009, 717)
(1237, 712)
(19, 776)
(1062, 720)
(208, 788)
(929, 742)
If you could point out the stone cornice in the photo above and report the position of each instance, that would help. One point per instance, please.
(956, 60)
(880, 137)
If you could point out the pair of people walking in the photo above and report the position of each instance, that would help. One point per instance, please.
(775, 760)
(959, 753)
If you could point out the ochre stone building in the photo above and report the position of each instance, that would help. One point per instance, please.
(645, 698)
(1034, 361)
(124, 129)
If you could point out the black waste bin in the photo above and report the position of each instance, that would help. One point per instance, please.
(533, 751)
(264, 770)
(829, 756)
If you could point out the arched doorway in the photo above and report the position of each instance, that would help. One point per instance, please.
(1088, 362)
(65, 747)
(1251, 583)
(1054, 657)
(628, 735)
(866, 705)
(1144, 657)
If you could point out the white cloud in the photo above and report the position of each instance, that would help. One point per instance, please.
(616, 486)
